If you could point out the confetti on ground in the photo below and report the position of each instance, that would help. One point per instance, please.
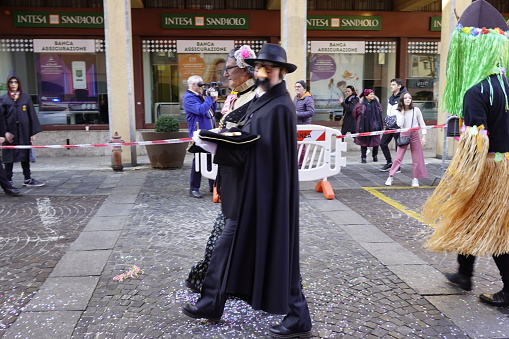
(132, 272)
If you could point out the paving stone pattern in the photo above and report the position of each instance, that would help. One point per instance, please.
(351, 292)
(36, 231)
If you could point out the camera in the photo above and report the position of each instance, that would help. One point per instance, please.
(216, 86)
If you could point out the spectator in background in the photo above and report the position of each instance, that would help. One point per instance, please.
(408, 117)
(398, 90)
(368, 116)
(349, 124)
(305, 107)
(22, 124)
(6, 185)
(304, 103)
(200, 115)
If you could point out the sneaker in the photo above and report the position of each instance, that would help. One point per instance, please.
(10, 183)
(388, 182)
(32, 183)
(398, 170)
(415, 182)
(386, 167)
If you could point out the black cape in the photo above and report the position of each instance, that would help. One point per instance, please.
(264, 261)
(21, 120)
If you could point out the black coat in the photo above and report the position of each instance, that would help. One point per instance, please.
(349, 122)
(21, 120)
(264, 261)
(2, 120)
(485, 104)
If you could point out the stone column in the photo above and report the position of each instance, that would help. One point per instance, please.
(119, 74)
(294, 38)
(451, 9)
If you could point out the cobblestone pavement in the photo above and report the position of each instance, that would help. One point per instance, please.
(352, 291)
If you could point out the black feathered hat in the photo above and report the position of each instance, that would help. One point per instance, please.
(275, 54)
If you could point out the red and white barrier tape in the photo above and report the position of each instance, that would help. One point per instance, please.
(134, 143)
(176, 141)
(388, 131)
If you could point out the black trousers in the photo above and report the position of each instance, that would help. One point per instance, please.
(213, 298)
(466, 267)
(195, 179)
(4, 182)
(364, 150)
(25, 165)
(384, 145)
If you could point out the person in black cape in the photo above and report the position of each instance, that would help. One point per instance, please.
(257, 257)
(4, 182)
(22, 125)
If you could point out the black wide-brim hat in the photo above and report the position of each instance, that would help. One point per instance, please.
(275, 54)
(481, 14)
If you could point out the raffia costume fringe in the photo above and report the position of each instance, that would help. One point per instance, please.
(469, 204)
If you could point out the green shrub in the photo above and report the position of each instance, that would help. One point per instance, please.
(167, 124)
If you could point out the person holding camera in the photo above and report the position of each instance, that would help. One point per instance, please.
(200, 115)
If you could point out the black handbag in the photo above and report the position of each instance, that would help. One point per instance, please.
(391, 122)
(405, 140)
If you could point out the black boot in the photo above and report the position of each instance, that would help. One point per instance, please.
(375, 158)
(363, 160)
(460, 280)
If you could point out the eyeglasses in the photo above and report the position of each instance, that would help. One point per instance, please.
(13, 81)
(227, 69)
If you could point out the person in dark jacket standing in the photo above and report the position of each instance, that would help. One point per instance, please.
(398, 89)
(305, 108)
(4, 182)
(349, 123)
(368, 115)
(257, 257)
(22, 124)
(304, 103)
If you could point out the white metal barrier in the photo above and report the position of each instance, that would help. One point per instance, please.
(316, 146)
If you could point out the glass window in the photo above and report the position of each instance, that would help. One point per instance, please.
(422, 76)
(66, 88)
(329, 75)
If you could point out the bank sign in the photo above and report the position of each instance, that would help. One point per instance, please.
(64, 46)
(205, 21)
(344, 23)
(348, 47)
(204, 46)
(59, 19)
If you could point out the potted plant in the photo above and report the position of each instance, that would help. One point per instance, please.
(166, 156)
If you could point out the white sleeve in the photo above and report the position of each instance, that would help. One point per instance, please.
(420, 120)
(400, 116)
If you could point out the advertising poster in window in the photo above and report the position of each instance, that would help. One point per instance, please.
(208, 66)
(333, 65)
(67, 83)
